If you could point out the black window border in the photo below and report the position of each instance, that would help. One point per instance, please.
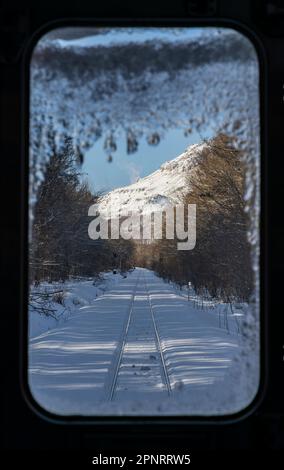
(252, 36)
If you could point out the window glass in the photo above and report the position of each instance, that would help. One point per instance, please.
(143, 222)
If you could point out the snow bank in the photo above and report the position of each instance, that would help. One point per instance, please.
(75, 295)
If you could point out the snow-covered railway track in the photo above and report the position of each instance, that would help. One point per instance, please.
(122, 343)
(158, 342)
(139, 362)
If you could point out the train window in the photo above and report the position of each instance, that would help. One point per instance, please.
(144, 202)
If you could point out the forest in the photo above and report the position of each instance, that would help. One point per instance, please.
(220, 263)
(218, 266)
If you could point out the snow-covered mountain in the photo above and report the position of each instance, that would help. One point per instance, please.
(162, 188)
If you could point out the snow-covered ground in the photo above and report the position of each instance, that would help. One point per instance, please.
(75, 294)
(108, 359)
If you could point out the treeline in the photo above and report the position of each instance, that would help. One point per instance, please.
(60, 245)
(220, 263)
